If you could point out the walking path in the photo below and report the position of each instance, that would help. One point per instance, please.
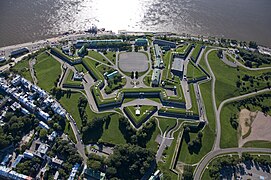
(216, 148)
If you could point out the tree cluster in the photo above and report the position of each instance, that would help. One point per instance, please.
(129, 162)
(247, 82)
(257, 101)
(254, 59)
(140, 137)
(96, 162)
(93, 130)
(29, 167)
(114, 84)
(220, 163)
(66, 151)
(194, 145)
(82, 104)
(16, 126)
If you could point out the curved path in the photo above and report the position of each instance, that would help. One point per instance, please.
(216, 148)
(248, 68)
(218, 128)
(218, 135)
(204, 162)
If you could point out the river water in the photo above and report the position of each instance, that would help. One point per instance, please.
(29, 20)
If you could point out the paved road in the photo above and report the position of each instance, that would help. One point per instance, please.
(218, 128)
(165, 140)
(228, 62)
(216, 148)
(79, 145)
(204, 162)
(218, 136)
(248, 68)
(200, 104)
(32, 71)
(184, 83)
(218, 110)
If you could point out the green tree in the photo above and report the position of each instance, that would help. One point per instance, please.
(43, 133)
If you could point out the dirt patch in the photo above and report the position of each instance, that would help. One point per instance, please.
(246, 119)
(259, 129)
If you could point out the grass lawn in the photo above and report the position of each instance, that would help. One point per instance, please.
(182, 49)
(166, 123)
(47, 71)
(167, 62)
(228, 133)
(144, 111)
(226, 78)
(111, 133)
(193, 72)
(97, 56)
(208, 132)
(152, 144)
(103, 69)
(206, 175)
(194, 108)
(207, 144)
(110, 55)
(70, 104)
(80, 68)
(258, 144)
(229, 58)
(196, 51)
(22, 68)
(147, 79)
(202, 60)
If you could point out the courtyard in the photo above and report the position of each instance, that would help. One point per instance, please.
(133, 61)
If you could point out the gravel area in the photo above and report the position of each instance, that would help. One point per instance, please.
(133, 61)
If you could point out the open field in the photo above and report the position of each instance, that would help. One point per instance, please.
(47, 71)
(208, 131)
(196, 51)
(226, 78)
(193, 72)
(97, 56)
(182, 49)
(229, 135)
(111, 56)
(246, 118)
(111, 133)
